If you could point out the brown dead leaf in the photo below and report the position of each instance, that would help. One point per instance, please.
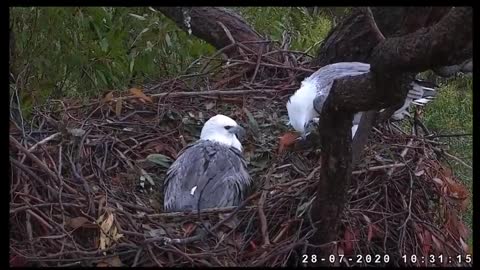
(77, 222)
(253, 246)
(101, 203)
(139, 93)
(286, 140)
(349, 238)
(188, 228)
(107, 224)
(438, 181)
(107, 97)
(118, 107)
(427, 242)
(370, 233)
(110, 262)
(438, 245)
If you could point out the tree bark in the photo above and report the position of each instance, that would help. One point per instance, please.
(427, 48)
(351, 41)
(218, 26)
(398, 21)
(394, 61)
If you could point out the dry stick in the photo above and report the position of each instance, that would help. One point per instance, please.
(49, 138)
(457, 159)
(215, 55)
(273, 65)
(229, 35)
(448, 135)
(137, 257)
(207, 211)
(25, 207)
(207, 93)
(39, 218)
(38, 179)
(409, 203)
(259, 58)
(376, 168)
(261, 212)
(28, 218)
(40, 163)
(268, 58)
(404, 152)
(167, 240)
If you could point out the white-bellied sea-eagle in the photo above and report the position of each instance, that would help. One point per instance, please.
(315, 89)
(211, 172)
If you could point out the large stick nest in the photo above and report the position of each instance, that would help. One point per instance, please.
(84, 193)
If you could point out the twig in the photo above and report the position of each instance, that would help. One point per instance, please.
(199, 236)
(38, 179)
(39, 162)
(376, 168)
(409, 203)
(456, 159)
(259, 59)
(431, 136)
(39, 218)
(49, 138)
(194, 213)
(402, 155)
(261, 212)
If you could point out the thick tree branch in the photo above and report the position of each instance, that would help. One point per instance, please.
(394, 62)
(426, 48)
(399, 21)
(352, 40)
(206, 24)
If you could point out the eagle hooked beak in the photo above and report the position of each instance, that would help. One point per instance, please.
(309, 127)
(238, 131)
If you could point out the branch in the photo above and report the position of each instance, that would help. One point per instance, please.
(206, 24)
(351, 41)
(427, 48)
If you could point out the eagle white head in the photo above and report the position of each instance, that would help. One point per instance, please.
(300, 108)
(224, 130)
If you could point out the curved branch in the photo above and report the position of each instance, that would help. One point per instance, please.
(426, 48)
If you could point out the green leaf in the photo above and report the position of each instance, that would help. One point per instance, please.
(251, 121)
(132, 63)
(104, 44)
(104, 79)
(137, 16)
(160, 159)
(146, 176)
(167, 39)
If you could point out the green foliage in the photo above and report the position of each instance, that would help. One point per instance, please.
(305, 30)
(78, 51)
(451, 113)
(81, 51)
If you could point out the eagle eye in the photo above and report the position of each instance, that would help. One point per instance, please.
(228, 127)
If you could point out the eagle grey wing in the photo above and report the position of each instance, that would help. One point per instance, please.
(207, 171)
(325, 76)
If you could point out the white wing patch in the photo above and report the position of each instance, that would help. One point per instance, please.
(192, 192)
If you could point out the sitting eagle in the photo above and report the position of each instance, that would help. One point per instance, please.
(315, 89)
(210, 172)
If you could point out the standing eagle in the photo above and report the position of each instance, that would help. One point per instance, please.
(315, 89)
(210, 172)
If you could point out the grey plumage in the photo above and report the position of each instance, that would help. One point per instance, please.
(316, 87)
(216, 173)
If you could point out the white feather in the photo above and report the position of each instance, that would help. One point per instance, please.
(300, 106)
(214, 130)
